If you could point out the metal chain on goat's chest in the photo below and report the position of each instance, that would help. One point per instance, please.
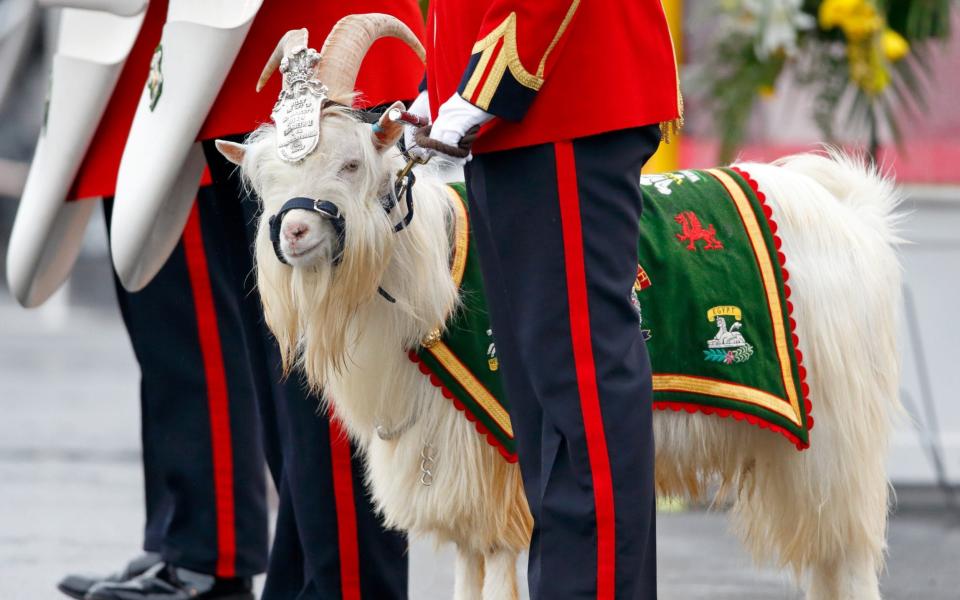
(428, 460)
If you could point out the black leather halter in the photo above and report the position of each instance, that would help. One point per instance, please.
(328, 210)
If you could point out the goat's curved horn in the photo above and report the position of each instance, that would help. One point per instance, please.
(348, 43)
(289, 41)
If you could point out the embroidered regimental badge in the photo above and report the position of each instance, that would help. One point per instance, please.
(646, 333)
(642, 281)
(493, 363)
(155, 80)
(693, 232)
(297, 111)
(664, 181)
(728, 346)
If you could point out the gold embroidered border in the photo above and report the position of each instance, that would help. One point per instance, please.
(672, 128)
(478, 72)
(461, 238)
(722, 389)
(755, 234)
(473, 386)
(556, 39)
(493, 80)
(508, 30)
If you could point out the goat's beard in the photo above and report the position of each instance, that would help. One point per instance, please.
(313, 311)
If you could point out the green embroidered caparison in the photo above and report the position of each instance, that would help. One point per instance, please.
(712, 303)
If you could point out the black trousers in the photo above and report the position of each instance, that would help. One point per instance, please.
(202, 452)
(556, 228)
(328, 542)
(214, 407)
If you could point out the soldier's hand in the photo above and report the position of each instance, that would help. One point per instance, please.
(455, 118)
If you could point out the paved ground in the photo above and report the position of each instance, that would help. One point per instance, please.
(70, 481)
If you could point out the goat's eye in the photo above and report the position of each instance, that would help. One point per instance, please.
(351, 166)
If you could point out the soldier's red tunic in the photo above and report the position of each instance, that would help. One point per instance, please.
(390, 72)
(592, 66)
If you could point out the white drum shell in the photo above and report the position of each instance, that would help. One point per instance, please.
(47, 232)
(161, 165)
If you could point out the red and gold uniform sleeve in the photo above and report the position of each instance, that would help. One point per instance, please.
(518, 43)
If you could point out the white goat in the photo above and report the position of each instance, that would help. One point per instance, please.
(821, 512)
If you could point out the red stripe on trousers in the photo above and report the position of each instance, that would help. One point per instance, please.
(569, 198)
(340, 457)
(217, 400)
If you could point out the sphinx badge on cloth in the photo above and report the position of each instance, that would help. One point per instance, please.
(728, 346)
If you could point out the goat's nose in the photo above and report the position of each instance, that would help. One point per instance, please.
(295, 230)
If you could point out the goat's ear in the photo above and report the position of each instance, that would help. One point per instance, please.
(232, 151)
(387, 131)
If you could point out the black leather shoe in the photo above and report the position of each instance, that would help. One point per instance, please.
(77, 586)
(167, 582)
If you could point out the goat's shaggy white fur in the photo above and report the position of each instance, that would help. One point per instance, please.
(821, 512)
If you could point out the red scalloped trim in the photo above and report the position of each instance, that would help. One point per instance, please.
(725, 413)
(801, 370)
(510, 457)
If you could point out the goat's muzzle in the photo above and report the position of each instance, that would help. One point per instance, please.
(326, 209)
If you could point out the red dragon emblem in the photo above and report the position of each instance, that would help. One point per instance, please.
(693, 232)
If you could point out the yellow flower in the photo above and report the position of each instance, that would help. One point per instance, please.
(833, 12)
(868, 68)
(858, 18)
(766, 91)
(878, 81)
(895, 47)
(862, 25)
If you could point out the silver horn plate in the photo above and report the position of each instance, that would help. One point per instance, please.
(296, 114)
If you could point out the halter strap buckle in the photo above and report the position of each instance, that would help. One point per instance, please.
(326, 209)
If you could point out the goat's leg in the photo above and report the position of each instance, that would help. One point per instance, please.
(816, 514)
(500, 580)
(851, 577)
(857, 507)
(468, 577)
(814, 521)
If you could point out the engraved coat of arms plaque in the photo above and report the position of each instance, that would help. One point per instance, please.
(296, 114)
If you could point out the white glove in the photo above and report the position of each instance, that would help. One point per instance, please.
(456, 117)
(421, 108)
